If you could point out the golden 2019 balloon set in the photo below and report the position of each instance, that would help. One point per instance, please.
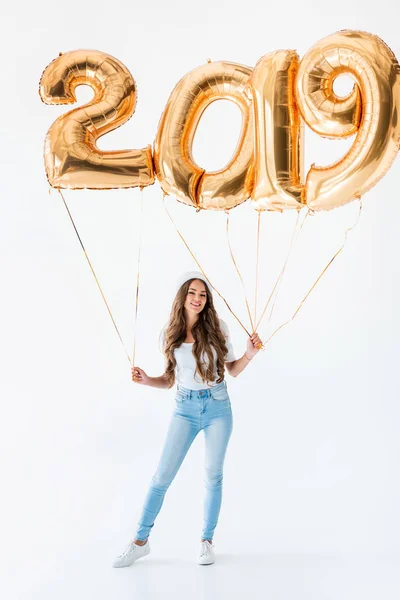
(276, 98)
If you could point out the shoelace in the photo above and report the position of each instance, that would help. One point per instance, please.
(205, 548)
(127, 550)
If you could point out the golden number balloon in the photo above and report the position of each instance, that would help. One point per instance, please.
(72, 159)
(278, 133)
(176, 169)
(372, 111)
(275, 98)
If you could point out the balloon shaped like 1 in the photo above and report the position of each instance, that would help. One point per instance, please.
(278, 133)
(72, 159)
(176, 169)
(371, 110)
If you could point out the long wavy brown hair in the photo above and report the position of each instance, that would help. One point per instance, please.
(206, 332)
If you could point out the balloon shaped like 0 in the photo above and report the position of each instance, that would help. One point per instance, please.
(178, 173)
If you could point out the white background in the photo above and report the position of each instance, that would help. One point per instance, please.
(311, 489)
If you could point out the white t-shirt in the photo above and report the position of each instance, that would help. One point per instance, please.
(186, 363)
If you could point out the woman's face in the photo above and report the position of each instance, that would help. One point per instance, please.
(196, 297)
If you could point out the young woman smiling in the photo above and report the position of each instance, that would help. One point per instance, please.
(197, 348)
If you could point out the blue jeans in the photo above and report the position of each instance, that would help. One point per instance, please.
(207, 409)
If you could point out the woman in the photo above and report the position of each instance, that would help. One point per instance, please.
(197, 348)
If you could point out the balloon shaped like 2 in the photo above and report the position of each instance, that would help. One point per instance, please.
(72, 159)
(371, 110)
(176, 169)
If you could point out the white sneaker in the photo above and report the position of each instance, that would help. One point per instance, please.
(206, 554)
(131, 553)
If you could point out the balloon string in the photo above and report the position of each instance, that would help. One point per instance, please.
(293, 243)
(320, 276)
(280, 276)
(94, 274)
(237, 270)
(138, 277)
(198, 264)
(257, 257)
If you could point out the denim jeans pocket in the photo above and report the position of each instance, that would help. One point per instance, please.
(221, 395)
(180, 396)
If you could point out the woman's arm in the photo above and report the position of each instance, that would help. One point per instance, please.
(158, 382)
(235, 367)
(141, 377)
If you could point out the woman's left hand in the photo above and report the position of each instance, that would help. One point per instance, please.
(254, 345)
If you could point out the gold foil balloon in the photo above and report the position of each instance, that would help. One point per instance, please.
(176, 169)
(278, 133)
(371, 110)
(72, 158)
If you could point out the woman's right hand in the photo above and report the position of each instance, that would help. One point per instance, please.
(139, 376)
